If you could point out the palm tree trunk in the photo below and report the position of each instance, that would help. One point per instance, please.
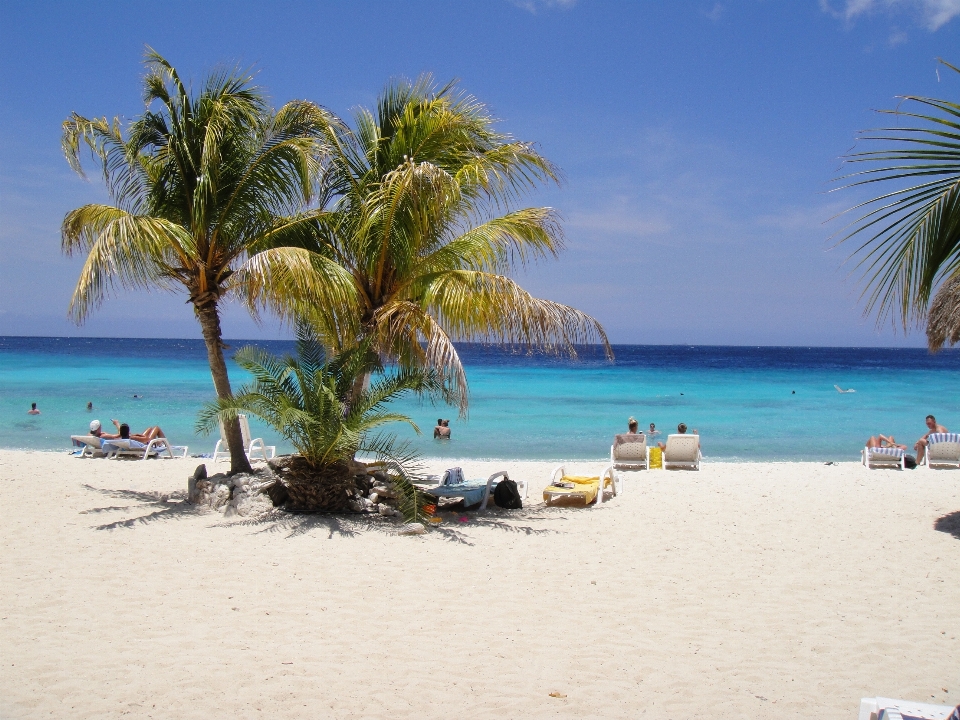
(209, 318)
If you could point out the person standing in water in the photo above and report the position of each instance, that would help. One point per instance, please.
(33, 409)
(442, 430)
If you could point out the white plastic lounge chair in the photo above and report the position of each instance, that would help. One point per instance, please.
(251, 447)
(879, 708)
(682, 451)
(630, 452)
(90, 444)
(590, 489)
(159, 447)
(472, 491)
(884, 457)
(943, 449)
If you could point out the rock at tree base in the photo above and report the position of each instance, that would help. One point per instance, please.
(412, 529)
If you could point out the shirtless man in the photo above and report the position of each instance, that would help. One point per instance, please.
(682, 430)
(442, 430)
(921, 446)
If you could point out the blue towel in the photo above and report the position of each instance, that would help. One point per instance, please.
(943, 437)
(470, 491)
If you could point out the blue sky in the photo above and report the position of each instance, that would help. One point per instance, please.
(697, 139)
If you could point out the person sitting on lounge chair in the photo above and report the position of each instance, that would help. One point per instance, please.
(682, 429)
(884, 441)
(932, 427)
(633, 426)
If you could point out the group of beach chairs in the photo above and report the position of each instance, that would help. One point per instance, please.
(161, 447)
(943, 450)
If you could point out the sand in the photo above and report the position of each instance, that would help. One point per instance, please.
(745, 590)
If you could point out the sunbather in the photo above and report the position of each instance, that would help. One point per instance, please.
(681, 429)
(633, 426)
(123, 432)
(884, 441)
(932, 427)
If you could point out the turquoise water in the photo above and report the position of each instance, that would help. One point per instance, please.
(740, 399)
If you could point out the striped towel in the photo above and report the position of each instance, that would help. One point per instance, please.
(943, 437)
(892, 452)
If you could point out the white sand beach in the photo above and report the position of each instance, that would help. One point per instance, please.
(745, 590)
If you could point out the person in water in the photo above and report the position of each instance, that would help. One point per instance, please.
(653, 430)
(33, 409)
(90, 406)
(932, 427)
(442, 430)
(884, 441)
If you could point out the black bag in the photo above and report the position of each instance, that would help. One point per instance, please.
(507, 496)
(909, 462)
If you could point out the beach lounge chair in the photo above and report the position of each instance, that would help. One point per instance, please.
(682, 451)
(630, 452)
(90, 445)
(158, 447)
(884, 457)
(476, 491)
(576, 489)
(943, 449)
(251, 447)
(879, 708)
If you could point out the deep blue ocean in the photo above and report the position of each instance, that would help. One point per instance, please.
(748, 403)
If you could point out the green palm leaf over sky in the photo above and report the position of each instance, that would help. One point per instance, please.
(422, 211)
(910, 235)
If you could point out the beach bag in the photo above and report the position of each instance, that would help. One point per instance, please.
(909, 462)
(507, 496)
(453, 476)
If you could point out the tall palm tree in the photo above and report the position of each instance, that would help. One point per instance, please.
(912, 234)
(421, 214)
(198, 186)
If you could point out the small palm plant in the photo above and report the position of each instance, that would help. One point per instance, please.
(305, 399)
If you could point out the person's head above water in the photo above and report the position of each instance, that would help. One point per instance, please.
(439, 422)
(652, 427)
(632, 425)
(682, 428)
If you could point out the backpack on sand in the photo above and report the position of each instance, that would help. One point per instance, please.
(453, 476)
(507, 496)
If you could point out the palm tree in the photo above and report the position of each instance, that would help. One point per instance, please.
(420, 213)
(304, 399)
(197, 187)
(912, 243)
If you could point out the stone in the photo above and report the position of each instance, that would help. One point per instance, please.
(231, 511)
(199, 475)
(412, 529)
(373, 497)
(385, 510)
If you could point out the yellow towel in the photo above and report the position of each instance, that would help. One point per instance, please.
(656, 458)
(586, 486)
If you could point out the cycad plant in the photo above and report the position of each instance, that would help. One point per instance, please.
(305, 399)
(199, 183)
(911, 233)
(423, 215)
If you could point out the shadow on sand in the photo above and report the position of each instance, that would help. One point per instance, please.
(158, 506)
(949, 523)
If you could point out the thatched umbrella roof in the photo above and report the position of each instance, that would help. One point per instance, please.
(943, 322)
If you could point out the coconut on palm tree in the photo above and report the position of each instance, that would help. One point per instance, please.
(423, 215)
(199, 183)
(910, 234)
(305, 399)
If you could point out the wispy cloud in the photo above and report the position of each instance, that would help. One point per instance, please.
(535, 6)
(714, 13)
(933, 14)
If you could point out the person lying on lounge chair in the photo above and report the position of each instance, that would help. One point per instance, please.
(884, 441)
(123, 432)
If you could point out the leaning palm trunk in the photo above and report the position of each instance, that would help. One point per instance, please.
(209, 319)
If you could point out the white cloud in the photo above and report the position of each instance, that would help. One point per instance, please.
(534, 6)
(715, 13)
(934, 14)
